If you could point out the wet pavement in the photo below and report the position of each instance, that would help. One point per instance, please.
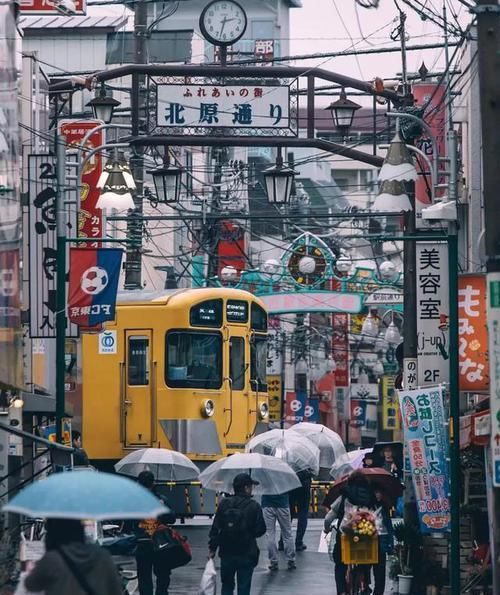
(313, 576)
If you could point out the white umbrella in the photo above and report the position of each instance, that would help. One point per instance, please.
(300, 453)
(166, 465)
(349, 462)
(274, 475)
(330, 444)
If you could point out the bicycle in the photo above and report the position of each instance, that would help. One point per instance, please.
(359, 554)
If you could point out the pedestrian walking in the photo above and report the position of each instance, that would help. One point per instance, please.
(276, 509)
(299, 508)
(237, 524)
(71, 566)
(147, 558)
(386, 543)
(80, 458)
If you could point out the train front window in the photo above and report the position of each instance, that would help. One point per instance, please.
(258, 355)
(138, 361)
(194, 360)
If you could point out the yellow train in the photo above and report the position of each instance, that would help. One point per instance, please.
(182, 369)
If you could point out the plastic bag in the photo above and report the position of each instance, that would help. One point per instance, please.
(208, 580)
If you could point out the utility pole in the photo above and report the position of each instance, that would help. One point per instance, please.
(488, 39)
(133, 258)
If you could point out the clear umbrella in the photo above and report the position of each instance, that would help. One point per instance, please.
(300, 454)
(166, 465)
(329, 442)
(86, 495)
(274, 475)
(348, 462)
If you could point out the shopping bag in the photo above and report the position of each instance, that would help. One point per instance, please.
(208, 580)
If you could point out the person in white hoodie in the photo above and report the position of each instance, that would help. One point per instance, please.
(71, 566)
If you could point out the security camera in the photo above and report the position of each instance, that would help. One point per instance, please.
(445, 210)
(65, 7)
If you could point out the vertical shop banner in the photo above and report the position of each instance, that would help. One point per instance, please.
(493, 284)
(390, 405)
(311, 411)
(93, 284)
(231, 247)
(295, 404)
(275, 346)
(42, 242)
(433, 310)
(423, 415)
(340, 348)
(90, 217)
(274, 392)
(473, 333)
(358, 413)
(432, 96)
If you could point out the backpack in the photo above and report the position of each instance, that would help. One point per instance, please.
(233, 527)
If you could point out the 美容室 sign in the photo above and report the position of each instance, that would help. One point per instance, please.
(220, 106)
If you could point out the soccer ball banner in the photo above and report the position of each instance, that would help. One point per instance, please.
(93, 284)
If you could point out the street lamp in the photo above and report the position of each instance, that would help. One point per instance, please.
(116, 184)
(343, 111)
(392, 334)
(103, 106)
(278, 180)
(398, 163)
(167, 181)
(392, 198)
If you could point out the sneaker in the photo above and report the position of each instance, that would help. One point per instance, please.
(273, 566)
(291, 565)
(300, 547)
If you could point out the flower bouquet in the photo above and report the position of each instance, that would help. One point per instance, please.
(360, 523)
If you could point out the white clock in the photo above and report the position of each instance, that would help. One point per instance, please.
(223, 22)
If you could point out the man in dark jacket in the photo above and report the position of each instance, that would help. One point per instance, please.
(80, 458)
(237, 524)
(299, 508)
(149, 561)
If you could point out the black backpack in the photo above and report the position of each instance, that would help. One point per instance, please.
(233, 527)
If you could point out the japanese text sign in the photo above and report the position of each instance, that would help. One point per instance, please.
(93, 284)
(432, 314)
(43, 244)
(340, 348)
(47, 7)
(358, 413)
(432, 96)
(390, 406)
(473, 333)
(295, 404)
(274, 391)
(493, 281)
(212, 106)
(90, 217)
(422, 412)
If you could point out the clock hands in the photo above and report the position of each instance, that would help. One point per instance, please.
(224, 21)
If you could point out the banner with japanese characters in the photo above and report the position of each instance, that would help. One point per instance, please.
(93, 284)
(473, 333)
(295, 404)
(390, 406)
(42, 242)
(433, 310)
(340, 348)
(89, 217)
(426, 440)
(201, 107)
(274, 392)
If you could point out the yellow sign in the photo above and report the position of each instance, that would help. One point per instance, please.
(390, 405)
(275, 392)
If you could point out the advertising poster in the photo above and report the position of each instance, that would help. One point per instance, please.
(274, 391)
(422, 412)
(295, 404)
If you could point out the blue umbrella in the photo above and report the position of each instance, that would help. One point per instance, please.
(86, 495)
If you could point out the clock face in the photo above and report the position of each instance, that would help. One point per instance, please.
(223, 22)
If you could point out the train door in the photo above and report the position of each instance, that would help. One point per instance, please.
(138, 397)
(237, 407)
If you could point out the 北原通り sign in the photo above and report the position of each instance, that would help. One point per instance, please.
(201, 107)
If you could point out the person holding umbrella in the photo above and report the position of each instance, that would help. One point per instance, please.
(70, 565)
(237, 524)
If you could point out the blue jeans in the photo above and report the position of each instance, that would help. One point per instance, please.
(231, 566)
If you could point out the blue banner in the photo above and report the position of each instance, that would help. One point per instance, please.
(426, 441)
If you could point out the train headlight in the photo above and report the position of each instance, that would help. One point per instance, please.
(207, 408)
(263, 411)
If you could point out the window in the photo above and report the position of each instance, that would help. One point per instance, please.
(237, 366)
(237, 311)
(259, 318)
(208, 313)
(258, 356)
(194, 360)
(138, 361)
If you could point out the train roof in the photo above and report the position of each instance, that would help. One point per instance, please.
(182, 296)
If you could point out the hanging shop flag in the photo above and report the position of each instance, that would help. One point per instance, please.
(311, 411)
(295, 404)
(473, 333)
(340, 348)
(93, 284)
(422, 412)
(358, 413)
(390, 406)
(433, 310)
